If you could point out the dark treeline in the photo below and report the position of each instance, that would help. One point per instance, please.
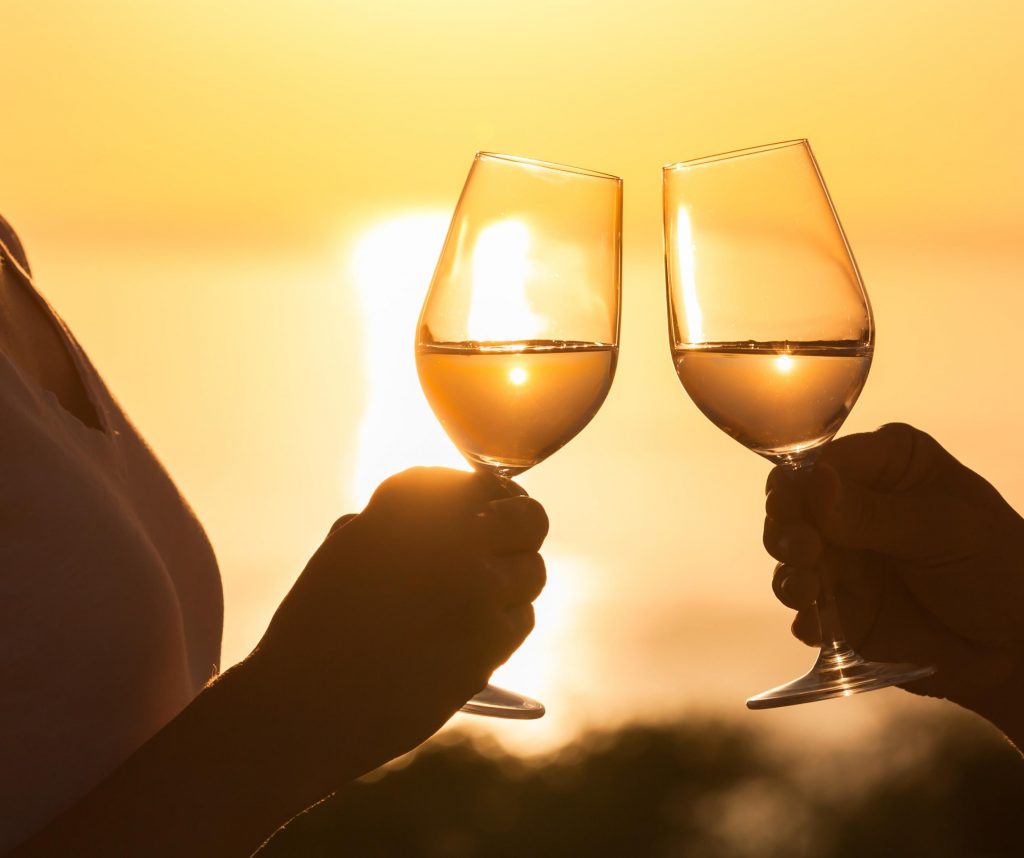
(698, 789)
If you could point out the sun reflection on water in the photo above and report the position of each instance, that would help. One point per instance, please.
(784, 363)
(392, 263)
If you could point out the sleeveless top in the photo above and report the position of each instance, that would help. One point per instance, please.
(110, 600)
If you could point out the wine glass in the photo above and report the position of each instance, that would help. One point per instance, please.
(518, 338)
(772, 337)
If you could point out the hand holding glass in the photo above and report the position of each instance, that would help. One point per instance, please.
(772, 337)
(518, 338)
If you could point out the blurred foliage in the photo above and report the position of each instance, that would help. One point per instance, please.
(696, 789)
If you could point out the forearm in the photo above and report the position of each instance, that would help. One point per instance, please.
(217, 780)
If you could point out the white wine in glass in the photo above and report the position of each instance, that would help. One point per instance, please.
(772, 337)
(783, 399)
(518, 338)
(508, 406)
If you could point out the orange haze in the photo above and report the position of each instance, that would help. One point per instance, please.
(236, 206)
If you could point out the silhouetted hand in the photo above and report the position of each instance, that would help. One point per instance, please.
(928, 558)
(402, 615)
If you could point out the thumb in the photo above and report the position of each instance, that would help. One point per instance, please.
(853, 516)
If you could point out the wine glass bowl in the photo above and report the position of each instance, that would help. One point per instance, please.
(509, 405)
(770, 325)
(756, 391)
(772, 337)
(517, 341)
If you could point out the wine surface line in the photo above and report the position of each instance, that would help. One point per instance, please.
(509, 405)
(781, 399)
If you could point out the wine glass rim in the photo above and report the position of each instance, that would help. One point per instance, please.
(547, 165)
(735, 153)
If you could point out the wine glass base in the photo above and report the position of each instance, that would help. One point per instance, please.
(838, 672)
(496, 702)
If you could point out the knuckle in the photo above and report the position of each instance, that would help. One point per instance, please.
(797, 588)
(341, 522)
(536, 576)
(779, 577)
(531, 508)
(895, 429)
(530, 620)
(524, 619)
(409, 475)
(540, 570)
(773, 506)
(909, 452)
(422, 478)
(541, 517)
(774, 540)
(524, 519)
(513, 489)
(394, 484)
(902, 437)
(805, 628)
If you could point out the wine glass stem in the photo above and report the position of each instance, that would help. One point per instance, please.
(828, 613)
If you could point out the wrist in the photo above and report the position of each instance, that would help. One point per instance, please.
(273, 741)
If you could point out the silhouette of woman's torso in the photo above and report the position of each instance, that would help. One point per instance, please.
(110, 600)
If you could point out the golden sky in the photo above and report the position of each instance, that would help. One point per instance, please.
(209, 192)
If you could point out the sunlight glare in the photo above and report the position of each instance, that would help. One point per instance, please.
(501, 269)
(688, 278)
(392, 263)
(784, 364)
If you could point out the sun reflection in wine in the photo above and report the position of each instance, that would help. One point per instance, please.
(391, 265)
